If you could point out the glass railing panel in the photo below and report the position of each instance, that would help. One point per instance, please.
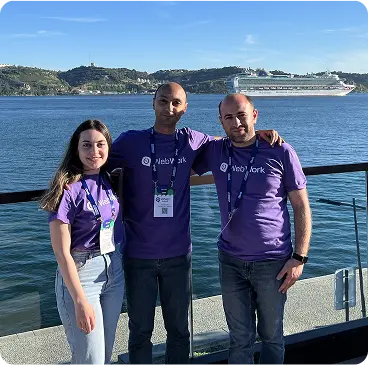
(27, 269)
(205, 226)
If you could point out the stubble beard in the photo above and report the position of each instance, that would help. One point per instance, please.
(239, 138)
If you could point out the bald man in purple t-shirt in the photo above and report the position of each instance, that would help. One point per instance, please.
(157, 166)
(256, 258)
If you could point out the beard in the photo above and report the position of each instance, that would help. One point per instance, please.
(239, 137)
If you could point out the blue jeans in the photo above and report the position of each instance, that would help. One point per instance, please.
(102, 280)
(247, 288)
(144, 277)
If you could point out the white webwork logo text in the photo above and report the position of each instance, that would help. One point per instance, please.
(101, 202)
(253, 169)
(146, 161)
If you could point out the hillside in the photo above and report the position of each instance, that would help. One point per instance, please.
(19, 80)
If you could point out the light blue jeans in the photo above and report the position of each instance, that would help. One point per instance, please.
(102, 280)
(247, 288)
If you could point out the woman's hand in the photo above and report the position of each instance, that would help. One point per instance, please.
(271, 136)
(85, 316)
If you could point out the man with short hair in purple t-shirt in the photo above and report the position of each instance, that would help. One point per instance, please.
(256, 259)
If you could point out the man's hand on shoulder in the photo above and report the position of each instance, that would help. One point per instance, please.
(271, 136)
(292, 271)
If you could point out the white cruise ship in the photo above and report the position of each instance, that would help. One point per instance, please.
(263, 83)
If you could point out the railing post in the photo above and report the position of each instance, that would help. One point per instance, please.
(191, 350)
(366, 215)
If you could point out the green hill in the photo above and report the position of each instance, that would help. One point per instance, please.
(107, 79)
(19, 80)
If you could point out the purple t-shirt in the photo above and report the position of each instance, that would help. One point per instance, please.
(148, 237)
(76, 210)
(260, 228)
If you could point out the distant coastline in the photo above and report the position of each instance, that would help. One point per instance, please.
(98, 81)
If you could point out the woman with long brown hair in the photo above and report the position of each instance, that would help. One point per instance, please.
(87, 238)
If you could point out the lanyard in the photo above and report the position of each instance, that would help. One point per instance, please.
(93, 203)
(161, 189)
(245, 178)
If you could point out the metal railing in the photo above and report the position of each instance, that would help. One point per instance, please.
(32, 195)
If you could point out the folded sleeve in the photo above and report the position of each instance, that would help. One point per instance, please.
(294, 178)
(66, 210)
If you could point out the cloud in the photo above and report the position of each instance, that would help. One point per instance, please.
(345, 30)
(38, 34)
(249, 39)
(76, 20)
(194, 24)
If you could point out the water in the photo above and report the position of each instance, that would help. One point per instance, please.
(35, 130)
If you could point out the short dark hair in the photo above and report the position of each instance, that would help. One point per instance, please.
(167, 84)
(248, 98)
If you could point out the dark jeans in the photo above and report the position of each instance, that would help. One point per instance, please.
(247, 288)
(144, 277)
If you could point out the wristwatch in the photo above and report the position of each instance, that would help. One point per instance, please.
(302, 259)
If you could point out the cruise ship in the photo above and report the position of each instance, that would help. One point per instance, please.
(263, 83)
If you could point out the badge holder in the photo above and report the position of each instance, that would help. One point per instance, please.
(107, 243)
(163, 203)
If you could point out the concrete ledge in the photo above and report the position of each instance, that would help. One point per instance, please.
(201, 341)
(310, 306)
(343, 343)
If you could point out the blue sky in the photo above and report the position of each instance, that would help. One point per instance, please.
(292, 36)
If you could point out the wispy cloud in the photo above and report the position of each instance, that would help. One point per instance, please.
(194, 24)
(344, 30)
(38, 34)
(330, 31)
(249, 39)
(76, 20)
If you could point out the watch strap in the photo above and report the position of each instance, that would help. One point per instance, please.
(302, 259)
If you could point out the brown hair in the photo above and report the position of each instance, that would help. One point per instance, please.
(71, 167)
